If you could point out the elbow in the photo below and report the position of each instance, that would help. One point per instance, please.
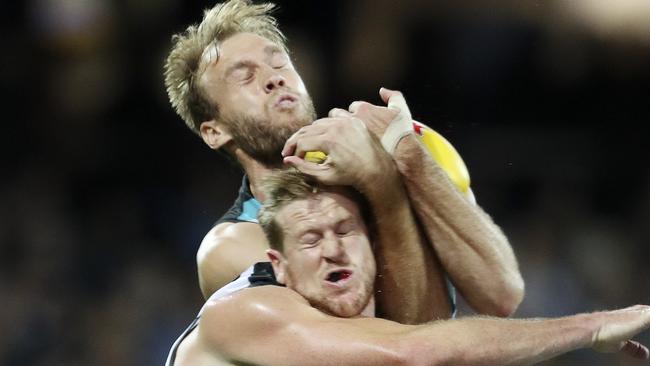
(509, 298)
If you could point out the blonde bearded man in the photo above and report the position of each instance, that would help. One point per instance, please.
(232, 81)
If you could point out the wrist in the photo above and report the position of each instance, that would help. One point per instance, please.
(409, 155)
(588, 325)
(383, 180)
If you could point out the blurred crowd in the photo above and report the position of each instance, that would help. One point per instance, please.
(106, 195)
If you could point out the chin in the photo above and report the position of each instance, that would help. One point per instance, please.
(346, 308)
(349, 311)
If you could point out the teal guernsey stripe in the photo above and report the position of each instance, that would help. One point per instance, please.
(451, 291)
(250, 209)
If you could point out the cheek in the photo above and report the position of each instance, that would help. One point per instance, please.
(300, 87)
(366, 256)
(306, 262)
(245, 100)
(296, 82)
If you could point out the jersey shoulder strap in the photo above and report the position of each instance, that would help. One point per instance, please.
(245, 208)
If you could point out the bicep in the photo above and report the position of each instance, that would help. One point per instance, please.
(296, 334)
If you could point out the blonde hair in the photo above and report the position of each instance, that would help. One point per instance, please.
(281, 188)
(182, 65)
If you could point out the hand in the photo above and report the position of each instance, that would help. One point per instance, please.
(377, 118)
(354, 157)
(618, 329)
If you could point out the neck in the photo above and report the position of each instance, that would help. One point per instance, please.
(255, 171)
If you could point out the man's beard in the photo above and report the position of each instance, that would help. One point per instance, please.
(262, 139)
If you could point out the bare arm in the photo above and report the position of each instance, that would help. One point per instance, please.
(410, 286)
(275, 326)
(470, 246)
(226, 251)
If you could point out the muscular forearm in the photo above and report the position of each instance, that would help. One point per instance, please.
(493, 341)
(410, 286)
(472, 249)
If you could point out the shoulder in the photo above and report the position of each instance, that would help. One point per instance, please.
(254, 300)
(251, 314)
(227, 250)
(227, 232)
(229, 236)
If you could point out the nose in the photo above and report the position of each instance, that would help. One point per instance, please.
(274, 81)
(333, 250)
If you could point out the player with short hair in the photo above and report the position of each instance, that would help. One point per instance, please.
(318, 310)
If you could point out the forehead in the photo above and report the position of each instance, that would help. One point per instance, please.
(237, 47)
(323, 209)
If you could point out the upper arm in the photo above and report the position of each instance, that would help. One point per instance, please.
(275, 326)
(226, 251)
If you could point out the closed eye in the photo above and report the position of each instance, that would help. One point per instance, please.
(279, 60)
(345, 228)
(242, 71)
(243, 75)
(310, 240)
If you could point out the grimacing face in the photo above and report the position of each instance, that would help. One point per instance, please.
(327, 256)
(261, 97)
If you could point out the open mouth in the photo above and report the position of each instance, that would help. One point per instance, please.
(338, 276)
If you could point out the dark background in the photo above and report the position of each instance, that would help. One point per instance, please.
(106, 195)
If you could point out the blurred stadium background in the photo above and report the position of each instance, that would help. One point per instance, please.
(106, 195)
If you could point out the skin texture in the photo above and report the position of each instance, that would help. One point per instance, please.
(311, 322)
(356, 159)
(469, 246)
(260, 97)
(330, 236)
(249, 78)
(461, 233)
(411, 287)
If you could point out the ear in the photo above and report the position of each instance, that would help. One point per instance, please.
(214, 134)
(278, 262)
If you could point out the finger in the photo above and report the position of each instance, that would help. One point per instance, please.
(290, 144)
(289, 147)
(398, 103)
(338, 113)
(396, 100)
(385, 94)
(354, 106)
(305, 132)
(636, 350)
(306, 167)
(310, 144)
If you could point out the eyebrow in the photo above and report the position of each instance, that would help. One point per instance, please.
(268, 50)
(302, 228)
(271, 49)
